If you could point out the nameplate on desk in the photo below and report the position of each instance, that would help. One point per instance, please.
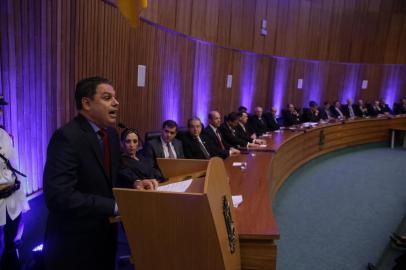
(181, 186)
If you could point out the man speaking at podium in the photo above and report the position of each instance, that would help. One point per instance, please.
(80, 171)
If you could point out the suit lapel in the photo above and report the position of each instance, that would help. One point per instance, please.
(91, 137)
(161, 149)
(114, 161)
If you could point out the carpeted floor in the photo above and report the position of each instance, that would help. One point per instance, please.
(337, 211)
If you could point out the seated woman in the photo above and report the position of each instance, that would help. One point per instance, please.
(135, 170)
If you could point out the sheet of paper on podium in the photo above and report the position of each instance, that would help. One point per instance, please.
(176, 187)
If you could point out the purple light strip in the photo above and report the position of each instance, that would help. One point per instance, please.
(280, 82)
(352, 83)
(394, 78)
(313, 83)
(248, 80)
(203, 70)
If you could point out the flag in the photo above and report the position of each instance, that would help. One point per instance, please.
(131, 9)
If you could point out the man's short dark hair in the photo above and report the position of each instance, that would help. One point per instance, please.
(242, 109)
(169, 124)
(189, 122)
(87, 88)
(233, 116)
(312, 103)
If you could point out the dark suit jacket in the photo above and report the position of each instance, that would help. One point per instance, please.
(191, 147)
(346, 111)
(132, 169)
(359, 112)
(259, 126)
(243, 134)
(310, 116)
(271, 122)
(153, 148)
(79, 197)
(230, 136)
(335, 113)
(385, 108)
(374, 111)
(399, 108)
(324, 111)
(214, 145)
(290, 119)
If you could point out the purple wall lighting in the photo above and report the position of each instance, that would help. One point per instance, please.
(248, 80)
(352, 83)
(171, 76)
(202, 84)
(394, 78)
(313, 81)
(279, 82)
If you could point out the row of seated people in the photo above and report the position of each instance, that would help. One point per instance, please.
(216, 140)
(293, 116)
(238, 131)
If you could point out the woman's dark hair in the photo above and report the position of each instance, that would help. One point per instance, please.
(127, 131)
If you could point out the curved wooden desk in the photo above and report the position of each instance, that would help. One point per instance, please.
(267, 170)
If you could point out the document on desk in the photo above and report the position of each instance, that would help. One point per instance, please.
(176, 187)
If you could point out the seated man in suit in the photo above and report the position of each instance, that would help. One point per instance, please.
(291, 116)
(400, 108)
(271, 121)
(220, 147)
(360, 109)
(348, 109)
(195, 144)
(337, 111)
(325, 112)
(385, 107)
(166, 146)
(258, 122)
(230, 135)
(244, 131)
(375, 109)
(313, 113)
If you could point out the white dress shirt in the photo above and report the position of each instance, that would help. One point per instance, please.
(166, 150)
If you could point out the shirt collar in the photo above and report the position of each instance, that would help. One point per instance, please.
(94, 126)
(163, 142)
(213, 128)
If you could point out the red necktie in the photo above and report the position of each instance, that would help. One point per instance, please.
(219, 139)
(106, 150)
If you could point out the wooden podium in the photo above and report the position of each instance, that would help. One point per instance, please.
(182, 230)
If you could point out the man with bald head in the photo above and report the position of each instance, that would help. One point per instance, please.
(212, 131)
(258, 122)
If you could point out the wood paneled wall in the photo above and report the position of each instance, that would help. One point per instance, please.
(47, 46)
(366, 31)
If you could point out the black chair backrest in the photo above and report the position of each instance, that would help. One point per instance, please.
(151, 135)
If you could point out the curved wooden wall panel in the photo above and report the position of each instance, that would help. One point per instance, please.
(364, 31)
(47, 46)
